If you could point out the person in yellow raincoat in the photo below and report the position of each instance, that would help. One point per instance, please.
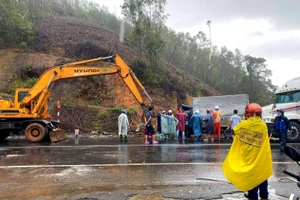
(248, 164)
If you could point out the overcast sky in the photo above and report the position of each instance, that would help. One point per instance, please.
(260, 28)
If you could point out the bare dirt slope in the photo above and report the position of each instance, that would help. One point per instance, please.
(81, 39)
(61, 40)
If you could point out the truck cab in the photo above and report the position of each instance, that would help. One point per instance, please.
(288, 99)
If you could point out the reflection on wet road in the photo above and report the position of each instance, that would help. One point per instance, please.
(112, 151)
(123, 164)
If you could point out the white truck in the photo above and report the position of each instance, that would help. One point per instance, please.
(288, 99)
(227, 104)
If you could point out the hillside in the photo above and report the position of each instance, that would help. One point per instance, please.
(61, 40)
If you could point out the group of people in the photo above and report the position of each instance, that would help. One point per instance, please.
(175, 125)
(123, 125)
(212, 123)
(167, 123)
(249, 157)
(171, 125)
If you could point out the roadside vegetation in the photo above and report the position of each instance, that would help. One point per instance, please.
(227, 71)
(165, 61)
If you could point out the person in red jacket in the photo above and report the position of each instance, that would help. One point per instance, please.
(181, 116)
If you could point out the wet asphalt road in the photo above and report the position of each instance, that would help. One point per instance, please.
(106, 168)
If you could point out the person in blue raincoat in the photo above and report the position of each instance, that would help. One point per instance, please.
(281, 127)
(197, 124)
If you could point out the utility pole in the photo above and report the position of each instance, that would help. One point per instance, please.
(208, 23)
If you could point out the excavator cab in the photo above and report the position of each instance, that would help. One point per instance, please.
(19, 95)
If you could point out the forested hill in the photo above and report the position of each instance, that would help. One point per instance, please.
(157, 45)
(227, 71)
(36, 35)
(160, 56)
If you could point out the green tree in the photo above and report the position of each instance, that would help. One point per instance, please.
(15, 26)
(256, 81)
(148, 20)
(227, 71)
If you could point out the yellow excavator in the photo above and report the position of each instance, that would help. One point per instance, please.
(29, 113)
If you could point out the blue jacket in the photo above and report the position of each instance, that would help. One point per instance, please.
(281, 124)
(197, 124)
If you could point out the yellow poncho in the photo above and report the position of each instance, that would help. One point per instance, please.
(249, 160)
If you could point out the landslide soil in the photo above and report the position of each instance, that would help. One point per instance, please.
(86, 100)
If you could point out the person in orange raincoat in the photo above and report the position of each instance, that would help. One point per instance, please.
(248, 164)
(217, 122)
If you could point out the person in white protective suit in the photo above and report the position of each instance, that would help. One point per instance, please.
(123, 124)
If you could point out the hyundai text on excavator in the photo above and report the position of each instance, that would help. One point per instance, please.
(29, 113)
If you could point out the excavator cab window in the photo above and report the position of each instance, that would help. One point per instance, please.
(21, 95)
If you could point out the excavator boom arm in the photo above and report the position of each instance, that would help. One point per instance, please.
(78, 69)
(130, 79)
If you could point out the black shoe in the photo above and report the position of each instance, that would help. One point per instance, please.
(281, 149)
(247, 196)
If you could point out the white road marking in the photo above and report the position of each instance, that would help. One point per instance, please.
(114, 165)
(13, 155)
(121, 145)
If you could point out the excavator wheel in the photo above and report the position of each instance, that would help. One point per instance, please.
(4, 134)
(35, 132)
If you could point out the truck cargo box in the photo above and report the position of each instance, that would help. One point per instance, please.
(227, 104)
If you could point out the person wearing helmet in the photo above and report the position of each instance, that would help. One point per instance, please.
(197, 124)
(248, 164)
(209, 124)
(168, 125)
(217, 122)
(280, 126)
(123, 124)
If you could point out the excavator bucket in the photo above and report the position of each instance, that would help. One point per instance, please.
(57, 135)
